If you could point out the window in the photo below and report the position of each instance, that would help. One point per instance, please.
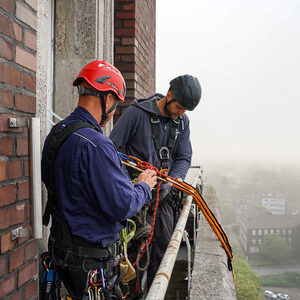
(259, 242)
(259, 232)
(253, 232)
(254, 250)
(278, 231)
(271, 231)
(283, 231)
(266, 231)
(254, 241)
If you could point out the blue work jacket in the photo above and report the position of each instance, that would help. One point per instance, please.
(134, 131)
(96, 195)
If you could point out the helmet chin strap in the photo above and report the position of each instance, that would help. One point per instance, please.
(82, 90)
(105, 113)
(166, 106)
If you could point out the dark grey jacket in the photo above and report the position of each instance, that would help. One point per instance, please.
(134, 131)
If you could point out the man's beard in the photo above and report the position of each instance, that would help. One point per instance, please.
(171, 115)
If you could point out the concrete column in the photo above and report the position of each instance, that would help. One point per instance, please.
(83, 33)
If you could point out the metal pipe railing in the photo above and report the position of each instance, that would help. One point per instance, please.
(162, 278)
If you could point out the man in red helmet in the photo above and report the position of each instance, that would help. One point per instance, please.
(89, 196)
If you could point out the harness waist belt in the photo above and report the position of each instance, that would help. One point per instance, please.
(92, 252)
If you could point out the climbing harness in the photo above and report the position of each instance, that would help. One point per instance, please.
(163, 153)
(140, 165)
(50, 289)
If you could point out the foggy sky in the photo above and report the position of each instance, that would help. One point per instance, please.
(246, 55)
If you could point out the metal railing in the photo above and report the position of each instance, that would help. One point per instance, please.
(161, 281)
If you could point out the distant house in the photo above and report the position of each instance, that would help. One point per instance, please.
(255, 224)
(275, 204)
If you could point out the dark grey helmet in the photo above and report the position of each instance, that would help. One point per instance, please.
(186, 90)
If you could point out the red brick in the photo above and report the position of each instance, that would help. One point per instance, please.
(14, 169)
(25, 103)
(26, 15)
(3, 265)
(16, 296)
(16, 259)
(124, 49)
(6, 242)
(127, 68)
(125, 15)
(13, 76)
(31, 289)
(11, 216)
(26, 168)
(32, 3)
(7, 286)
(129, 6)
(2, 71)
(23, 190)
(6, 146)
(6, 49)
(9, 28)
(26, 59)
(6, 98)
(2, 170)
(7, 5)
(4, 123)
(128, 58)
(29, 82)
(125, 32)
(128, 41)
(22, 146)
(27, 273)
(30, 40)
(31, 250)
(129, 23)
(7, 194)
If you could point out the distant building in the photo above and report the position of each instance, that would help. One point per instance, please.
(255, 224)
(275, 204)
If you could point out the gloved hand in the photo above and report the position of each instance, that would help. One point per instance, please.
(165, 189)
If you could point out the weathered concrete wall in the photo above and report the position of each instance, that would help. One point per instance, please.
(83, 33)
(211, 278)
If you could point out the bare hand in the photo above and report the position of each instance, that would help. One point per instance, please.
(149, 177)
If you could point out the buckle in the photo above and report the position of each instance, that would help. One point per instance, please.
(164, 153)
(154, 120)
(177, 121)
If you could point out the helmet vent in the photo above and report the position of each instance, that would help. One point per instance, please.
(102, 79)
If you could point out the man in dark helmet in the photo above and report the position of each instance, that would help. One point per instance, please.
(89, 195)
(157, 130)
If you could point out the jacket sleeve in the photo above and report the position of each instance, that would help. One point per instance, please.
(182, 153)
(116, 196)
(125, 127)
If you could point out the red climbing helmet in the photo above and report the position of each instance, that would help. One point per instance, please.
(104, 77)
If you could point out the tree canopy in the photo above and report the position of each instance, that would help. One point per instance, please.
(247, 284)
(274, 247)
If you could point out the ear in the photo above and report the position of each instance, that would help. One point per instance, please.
(169, 96)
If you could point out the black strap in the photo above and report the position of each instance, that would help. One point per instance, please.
(163, 153)
(58, 135)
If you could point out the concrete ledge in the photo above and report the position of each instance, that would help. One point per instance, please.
(211, 278)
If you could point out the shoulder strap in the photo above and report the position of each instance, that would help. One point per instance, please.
(58, 135)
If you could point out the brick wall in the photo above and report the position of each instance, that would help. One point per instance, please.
(134, 48)
(18, 258)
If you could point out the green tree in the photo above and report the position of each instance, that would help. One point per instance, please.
(274, 247)
(247, 285)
